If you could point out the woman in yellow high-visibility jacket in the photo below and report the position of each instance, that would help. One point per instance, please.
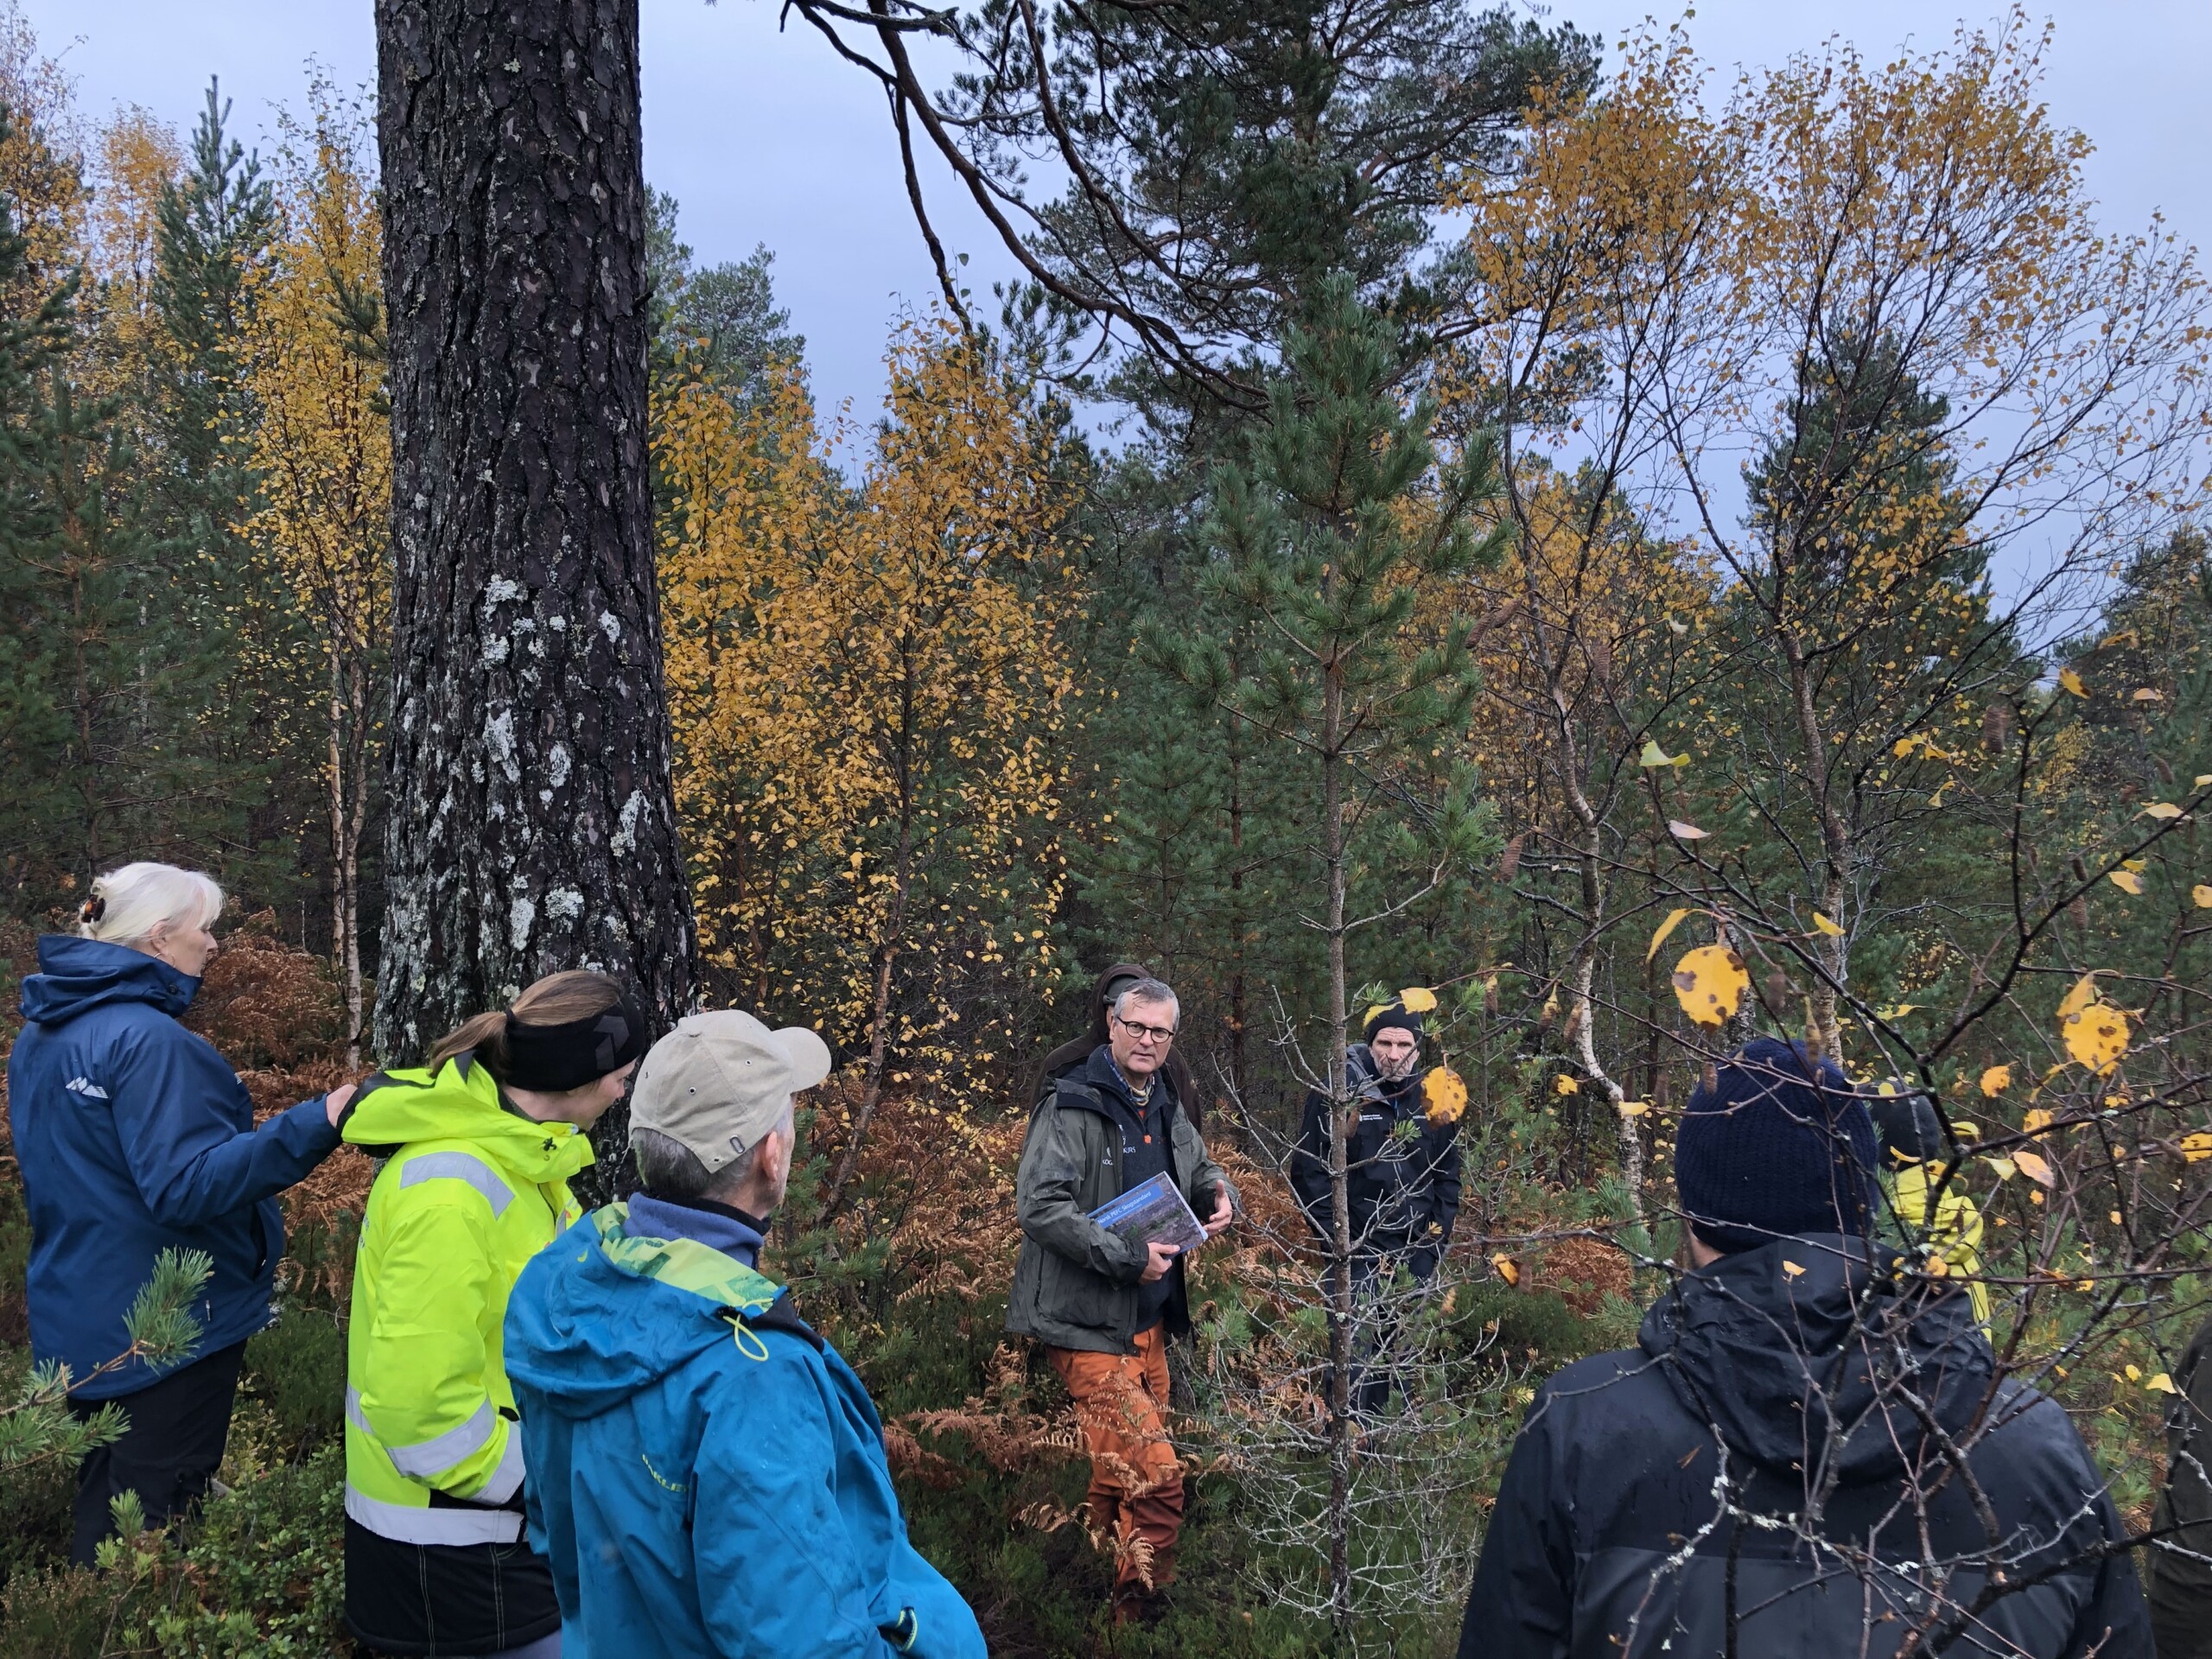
(1913, 1150)
(479, 1145)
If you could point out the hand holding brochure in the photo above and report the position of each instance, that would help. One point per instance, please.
(1152, 1212)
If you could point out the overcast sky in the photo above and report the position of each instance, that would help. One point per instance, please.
(763, 136)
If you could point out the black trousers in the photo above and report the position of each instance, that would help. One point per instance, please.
(440, 1600)
(1377, 1368)
(167, 1455)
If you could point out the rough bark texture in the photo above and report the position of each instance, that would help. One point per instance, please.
(532, 824)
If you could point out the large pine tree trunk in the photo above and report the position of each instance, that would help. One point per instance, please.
(531, 821)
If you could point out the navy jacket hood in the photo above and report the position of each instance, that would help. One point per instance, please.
(1805, 1368)
(77, 975)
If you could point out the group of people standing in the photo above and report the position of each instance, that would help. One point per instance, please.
(612, 1433)
(608, 1433)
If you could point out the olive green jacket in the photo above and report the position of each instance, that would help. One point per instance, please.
(1075, 1285)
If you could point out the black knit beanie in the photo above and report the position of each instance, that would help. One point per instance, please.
(1905, 1123)
(1779, 1147)
(1395, 1015)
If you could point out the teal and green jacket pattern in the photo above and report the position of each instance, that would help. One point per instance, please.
(707, 1476)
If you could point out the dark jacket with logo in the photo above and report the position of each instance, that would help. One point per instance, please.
(134, 1137)
(1609, 1539)
(1402, 1172)
(1075, 1284)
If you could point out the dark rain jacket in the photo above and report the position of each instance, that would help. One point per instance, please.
(1075, 1284)
(1609, 1539)
(1402, 1172)
(2180, 1565)
(134, 1137)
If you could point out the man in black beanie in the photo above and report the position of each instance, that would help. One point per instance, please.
(1402, 1180)
(1810, 1451)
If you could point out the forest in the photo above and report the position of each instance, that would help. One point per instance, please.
(1623, 555)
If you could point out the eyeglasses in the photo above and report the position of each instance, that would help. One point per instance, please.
(1145, 1033)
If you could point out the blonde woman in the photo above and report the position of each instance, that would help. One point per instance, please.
(134, 1137)
(479, 1146)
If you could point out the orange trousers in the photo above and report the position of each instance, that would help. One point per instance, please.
(1136, 1485)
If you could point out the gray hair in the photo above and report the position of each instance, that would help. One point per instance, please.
(128, 905)
(1147, 990)
(669, 1169)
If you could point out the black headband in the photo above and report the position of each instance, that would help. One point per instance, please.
(554, 1060)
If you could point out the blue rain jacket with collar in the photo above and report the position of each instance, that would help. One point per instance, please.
(134, 1136)
(708, 1477)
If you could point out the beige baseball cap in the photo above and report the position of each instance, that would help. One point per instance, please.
(720, 1081)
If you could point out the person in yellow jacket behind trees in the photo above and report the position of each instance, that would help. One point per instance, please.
(478, 1146)
(1913, 1147)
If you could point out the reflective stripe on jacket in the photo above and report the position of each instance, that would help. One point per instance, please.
(470, 1191)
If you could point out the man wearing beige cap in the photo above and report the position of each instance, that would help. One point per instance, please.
(708, 1476)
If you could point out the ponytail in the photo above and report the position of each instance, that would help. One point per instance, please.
(557, 999)
(484, 1034)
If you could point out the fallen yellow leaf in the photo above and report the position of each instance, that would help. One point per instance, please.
(1508, 1269)
(2072, 681)
(2125, 881)
(1710, 982)
(2145, 694)
(1995, 1081)
(1675, 920)
(1825, 925)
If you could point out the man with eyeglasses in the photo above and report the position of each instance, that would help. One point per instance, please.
(1102, 1305)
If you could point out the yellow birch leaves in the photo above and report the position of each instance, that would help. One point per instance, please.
(1710, 982)
(2095, 1033)
(1444, 1096)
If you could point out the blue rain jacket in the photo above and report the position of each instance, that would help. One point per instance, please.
(706, 1477)
(134, 1136)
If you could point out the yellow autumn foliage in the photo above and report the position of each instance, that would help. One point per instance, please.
(868, 698)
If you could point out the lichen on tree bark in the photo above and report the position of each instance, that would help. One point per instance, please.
(531, 824)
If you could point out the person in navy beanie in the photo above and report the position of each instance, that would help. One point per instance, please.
(1778, 1146)
(1783, 1462)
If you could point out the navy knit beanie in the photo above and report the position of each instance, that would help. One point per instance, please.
(1780, 1146)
